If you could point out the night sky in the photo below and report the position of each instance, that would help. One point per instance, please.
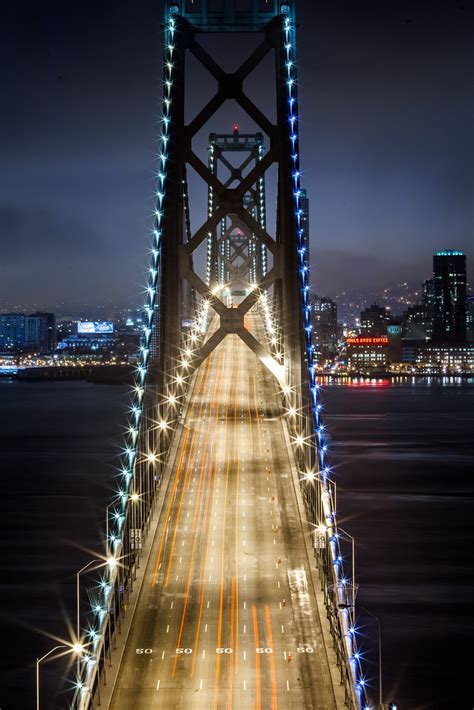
(387, 115)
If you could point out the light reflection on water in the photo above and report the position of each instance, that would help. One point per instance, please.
(419, 381)
(402, 455)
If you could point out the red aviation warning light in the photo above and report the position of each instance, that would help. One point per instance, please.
(236, 128)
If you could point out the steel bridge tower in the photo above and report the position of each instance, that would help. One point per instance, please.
(236, 251)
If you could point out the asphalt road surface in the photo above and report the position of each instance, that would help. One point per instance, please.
(226, 616)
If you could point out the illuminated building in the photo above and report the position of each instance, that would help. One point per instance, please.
(449, 323)
(324, 327)
(470, 319)
(416, 323)
(46, 330)
(448, 358)
(429, 300)
(374, 320)
(91, 336)
(22, 333)
(394, 346)
(367, 353)
(304, 206)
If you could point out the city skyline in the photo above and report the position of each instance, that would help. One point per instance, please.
(391, 178)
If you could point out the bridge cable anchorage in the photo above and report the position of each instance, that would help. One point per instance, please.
(186, 317)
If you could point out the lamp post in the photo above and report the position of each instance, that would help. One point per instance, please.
(379, 626)
(38, 661)
(76, 648)
(111, 562)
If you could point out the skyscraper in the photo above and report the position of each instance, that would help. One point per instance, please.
(304, 205)
(449, 277)
(325, 327)
(428, 297)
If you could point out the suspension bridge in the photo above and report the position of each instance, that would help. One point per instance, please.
(225, 581)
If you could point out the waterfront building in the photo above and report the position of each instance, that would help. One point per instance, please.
(451, 358)
(367, 354)
(23, 333)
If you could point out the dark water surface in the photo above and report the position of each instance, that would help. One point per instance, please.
(404, 465)
(404, 462)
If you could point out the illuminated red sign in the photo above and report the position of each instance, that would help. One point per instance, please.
(380, 340)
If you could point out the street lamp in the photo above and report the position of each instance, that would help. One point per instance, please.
(76, 648)
(379, 626)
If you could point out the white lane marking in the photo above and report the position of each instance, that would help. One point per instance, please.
(245, 655)
(245, 577)
(167, 628)
(287, 684)
(210, 577)
(208, 605)
(163, 655)
(274, 541)
(278, 584)
(284, 655)
(180, 560)
(282, 629)
(177, 577)
(204, 653)
(245, 628)
(172, 605)
(205, 629)
(245, 605)
(158, 685)
(200, 684)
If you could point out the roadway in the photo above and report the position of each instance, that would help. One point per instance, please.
(226, 616)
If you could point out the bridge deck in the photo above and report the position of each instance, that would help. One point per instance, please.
(227, 594)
